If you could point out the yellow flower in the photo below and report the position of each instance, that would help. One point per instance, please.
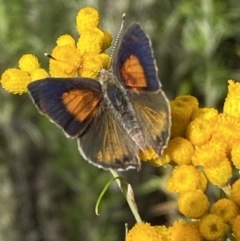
(87, 18)
(235, 155)
(66, 62)
(235, 227)
(211, 151)
(105, 60)
(218, 172)
(28, 63)
(226, 128)
(186, 178)
(204, 113)
(212, 227)
(235, 193)
(143, 232)
(199, 131)
(179, 150)
(225, 208)
(193, 204)
(39, 74)
(181, 114)
(231, 106)
(91, 41)
(107, 40)
(188, 100)
(15, 81)
(148, 154)
(181, 231)
(66, 40)
(91, 65)
(163, 232)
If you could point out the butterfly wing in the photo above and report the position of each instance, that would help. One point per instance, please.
(106, 144)
(134, 64)
(77, 106)
(136, 70)
(153, 113)
(70, 103)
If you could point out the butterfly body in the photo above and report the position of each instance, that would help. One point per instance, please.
(113, 118)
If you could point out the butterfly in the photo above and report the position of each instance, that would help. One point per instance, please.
(116, 116)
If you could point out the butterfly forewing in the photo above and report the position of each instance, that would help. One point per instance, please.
(70, 103)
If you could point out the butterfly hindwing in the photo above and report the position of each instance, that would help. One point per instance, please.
(70, 103)
(134, 64)
(153, 112)
(106, 144)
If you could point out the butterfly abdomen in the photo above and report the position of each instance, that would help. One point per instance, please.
(124, 112)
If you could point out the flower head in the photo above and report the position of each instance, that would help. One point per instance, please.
(179, 150)
(212, 227)
(181, 114)
(181, 231)
(235, 227)
(225, 208)
(28, 63)
(186, 178)
(87, 18)
(143, 232)
(193, 204)
(235, 193)
(15, 81)
(231, 106)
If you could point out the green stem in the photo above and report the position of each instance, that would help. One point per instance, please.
(128, 194)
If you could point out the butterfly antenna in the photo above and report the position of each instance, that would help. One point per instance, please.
(117, 38)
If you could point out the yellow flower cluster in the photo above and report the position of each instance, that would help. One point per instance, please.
(84, 57)
(204, 149)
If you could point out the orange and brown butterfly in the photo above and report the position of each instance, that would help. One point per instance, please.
(124, 112)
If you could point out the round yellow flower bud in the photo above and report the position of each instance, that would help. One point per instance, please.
(105, 60)
(91, 65)
(188, 100)
(212, 227)
(231, 106)
(163, 232)
(90, 41)
(209, 152)
(193, 204)
(181, 114)
(235, 193)
(225, 208)
(66, 40)
(107, 40)
(199, 131)
(218, 173)
(39, 74)
(142, 232)
(15, 81)
(87, 18)
(223, 127)
(204, 113)
(66, 62)
(180, 150)
(185, 178)
(28, 63)
(235, 227)
(235, 155)
(181, 231)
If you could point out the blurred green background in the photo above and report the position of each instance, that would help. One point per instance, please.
(48, 192)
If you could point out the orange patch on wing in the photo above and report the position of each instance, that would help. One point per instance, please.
(133, 73)
(80, 103)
